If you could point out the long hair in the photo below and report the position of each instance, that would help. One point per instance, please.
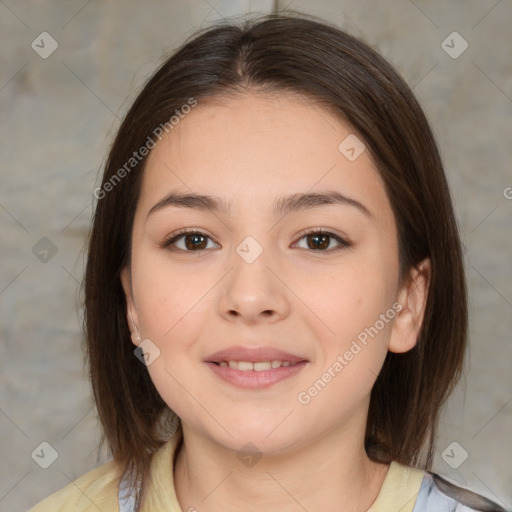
(280, 54)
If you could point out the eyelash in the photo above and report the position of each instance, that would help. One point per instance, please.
(167, 243)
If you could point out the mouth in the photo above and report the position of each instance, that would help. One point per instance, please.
(252, 355)
(255, 368)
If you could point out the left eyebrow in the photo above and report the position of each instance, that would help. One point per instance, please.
(299, 202)
(281, 205)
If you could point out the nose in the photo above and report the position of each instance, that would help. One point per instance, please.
(253, 291)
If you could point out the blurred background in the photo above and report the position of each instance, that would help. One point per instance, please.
(68, 73)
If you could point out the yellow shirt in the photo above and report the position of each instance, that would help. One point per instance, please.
(99, 488)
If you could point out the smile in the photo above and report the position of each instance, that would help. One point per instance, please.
(255, 375)
(256, 366)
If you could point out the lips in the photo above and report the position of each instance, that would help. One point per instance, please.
(255, 368)
(254, 355)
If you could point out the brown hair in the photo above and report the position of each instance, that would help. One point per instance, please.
(294, 54)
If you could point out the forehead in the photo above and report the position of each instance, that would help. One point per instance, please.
(255, 145)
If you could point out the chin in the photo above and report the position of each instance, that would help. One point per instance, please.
(248, 438)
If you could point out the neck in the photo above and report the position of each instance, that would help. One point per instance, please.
(329, 474)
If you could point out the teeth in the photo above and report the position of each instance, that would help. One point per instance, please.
(262, 365)
(257, 366)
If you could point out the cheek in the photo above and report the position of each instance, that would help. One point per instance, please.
(170, 306)
(350, 298)
(168, 298)
(356, 304)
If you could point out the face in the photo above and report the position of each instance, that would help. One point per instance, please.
(314, 283)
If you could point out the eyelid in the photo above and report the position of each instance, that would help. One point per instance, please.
(321, 230)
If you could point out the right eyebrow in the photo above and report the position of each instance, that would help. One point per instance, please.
(189, 200)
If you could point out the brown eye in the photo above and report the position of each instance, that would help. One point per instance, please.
(190, 241)
(195, 241)
(321, 240)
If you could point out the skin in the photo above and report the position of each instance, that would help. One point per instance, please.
(249, 149)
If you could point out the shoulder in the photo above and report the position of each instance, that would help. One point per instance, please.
(436, 494)
(95, 490)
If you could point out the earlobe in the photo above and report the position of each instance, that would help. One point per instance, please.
(413, 299)
(131, 313)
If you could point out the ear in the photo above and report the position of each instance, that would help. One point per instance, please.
(413, 299)
(131, 311)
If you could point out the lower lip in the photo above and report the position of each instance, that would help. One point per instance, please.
(256, 380)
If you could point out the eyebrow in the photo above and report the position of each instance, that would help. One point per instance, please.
(281, 205)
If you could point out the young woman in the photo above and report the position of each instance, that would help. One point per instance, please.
(275, 295)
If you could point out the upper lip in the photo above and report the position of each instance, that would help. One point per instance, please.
(253, 354)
